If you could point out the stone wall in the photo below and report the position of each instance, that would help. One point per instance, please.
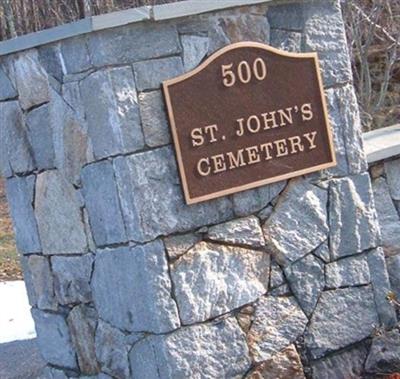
(126, 281)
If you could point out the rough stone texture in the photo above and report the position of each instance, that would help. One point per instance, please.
(50, 58)
(348, 364)
(345, 123)
(180, 244)
(101, 200)
(299, 223)
(112, 351)
(282, 290)
(352, 271)
(195, 48)
(133, 43)
(278, 322)
(393, 266)
(244, 231)
(277, 277)
(211, 279)
(75, 55)
(58, 215)
(154, 118)
(31, 79)
(352, 216)
(286, 40)
(306, 280)
(72, 278)
(15, 154)
(215, 350)
(82, 324)
(323, 253)
(389, 219)
(52, 373)
(384, 356)
(283, 365)
(140, 286)
(152, 199)
(113, 114)
(287, 16)
(40, 137)
(244, 27)
(20, 199)
(381, 286)
(256, 199)
(7, 90)
(71, 93)
(349, 312)
(392, 170)
(40, 282)
(150, 74)
(54, 339)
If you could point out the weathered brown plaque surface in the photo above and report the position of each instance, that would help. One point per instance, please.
(247, 116)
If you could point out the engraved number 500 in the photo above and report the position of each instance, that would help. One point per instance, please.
(244, 72)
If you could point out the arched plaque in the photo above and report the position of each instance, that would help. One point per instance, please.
(247, 116)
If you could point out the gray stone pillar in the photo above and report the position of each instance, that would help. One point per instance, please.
(124, 279)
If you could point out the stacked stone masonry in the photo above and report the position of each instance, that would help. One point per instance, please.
(290, 280)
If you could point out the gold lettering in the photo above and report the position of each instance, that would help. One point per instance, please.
(236, 161)
(240, 132)
(219, 163)
(311, 139)
(306, 112)
(200, 170)
(281, 148)
(211, 129)
(286, 116)
(251, 128)
(295, 142)
(253, 155)
(197, 137)
(266, 147)
(269, 118)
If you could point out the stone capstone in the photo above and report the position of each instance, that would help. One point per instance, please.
(244, 231)
(352, 271)
(58, 215)
(152, 199)
(283, 365)
(31, 79)
(353, 224)
(15, 153)
(389, 219)
(154, 118)
(150, 74)
(213, 350)
(72, 278)
(211, 279)
(349, 312)
(100, 193)
(299, 223)
(113, 114)
(348, 364)
(112, 351)
(133, 43)
(20, 192)
(82, 322)
(53, 339)
(138, 280)
(384, 356)
(306, 280)
(278, 322)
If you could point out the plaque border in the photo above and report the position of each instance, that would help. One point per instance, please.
(167, 83)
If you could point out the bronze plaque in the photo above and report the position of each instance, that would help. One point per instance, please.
(247, 116)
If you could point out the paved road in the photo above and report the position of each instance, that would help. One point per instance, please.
(20, 360)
